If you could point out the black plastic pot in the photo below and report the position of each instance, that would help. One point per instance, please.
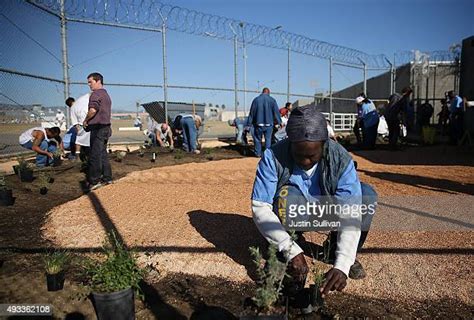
(118, 305)
(26, 175)
(15, 169)
(6, 198)
(51, 180)
(57, 161)
(55, 281)
(271, 317)
(317, 300)
(43, 190)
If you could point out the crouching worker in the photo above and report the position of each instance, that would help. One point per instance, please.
(188, 125)
(40, 141)
(296, 171)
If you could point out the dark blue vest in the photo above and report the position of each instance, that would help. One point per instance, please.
(333, 163)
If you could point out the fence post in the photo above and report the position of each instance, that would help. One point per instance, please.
(165, 69)
(65, 61)
(288, 87)
(330, 91)
(236, 98)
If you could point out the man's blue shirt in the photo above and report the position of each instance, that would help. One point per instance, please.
(264, 111)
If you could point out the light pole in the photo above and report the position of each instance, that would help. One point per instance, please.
(244, 49)
(236, 97)
(288, 80)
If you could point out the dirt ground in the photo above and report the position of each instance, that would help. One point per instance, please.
(191, 223)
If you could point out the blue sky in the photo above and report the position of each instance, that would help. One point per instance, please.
(372, 26)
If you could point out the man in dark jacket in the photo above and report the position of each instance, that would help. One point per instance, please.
(264, 114)
(397, 103)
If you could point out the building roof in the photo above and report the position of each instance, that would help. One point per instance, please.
(157, 111)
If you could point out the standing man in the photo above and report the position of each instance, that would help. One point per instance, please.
(60, 120)
(397, 103)
(264, 114)
(97, 122)
(79, 111)
(456, 115)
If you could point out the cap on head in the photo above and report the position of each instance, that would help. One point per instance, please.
(359, 99)
(307, 124)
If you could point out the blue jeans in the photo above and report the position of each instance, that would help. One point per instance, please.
(369, 135)
(99, 165)
(189, 134)
(258, 134)
(152, 137)
(41, 159)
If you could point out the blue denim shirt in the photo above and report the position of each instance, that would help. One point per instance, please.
(369, 114)
(266, 180)
(456, 104)
(264, 111)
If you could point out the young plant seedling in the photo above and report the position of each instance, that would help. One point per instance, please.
(117, 272)
(318, 279)
(120, 155)
(270, 275)
(56, 261)
(43, 181)
(55, 264)
(141, 152)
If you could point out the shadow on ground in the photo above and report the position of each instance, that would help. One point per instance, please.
(441, 185)
(441, 155)
(230, 233)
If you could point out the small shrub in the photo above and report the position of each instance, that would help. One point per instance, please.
(270, 275)
(23, 165)
(56, 261)
(3, 182)
(120, 155)
(117, 272)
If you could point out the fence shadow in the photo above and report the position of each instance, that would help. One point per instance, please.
(230, 233)
(442, 185)
(419, 155)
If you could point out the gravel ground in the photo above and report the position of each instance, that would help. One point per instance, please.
(199, 223)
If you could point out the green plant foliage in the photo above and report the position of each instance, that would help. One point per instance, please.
(23, 165)
(56, 261)
(318, 276)
(270, 275)
(3, 182)
(117, 272)
(43, 180)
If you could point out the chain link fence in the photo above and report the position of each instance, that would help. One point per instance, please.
(117, 43)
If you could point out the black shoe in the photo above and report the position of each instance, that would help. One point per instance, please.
(357, 272)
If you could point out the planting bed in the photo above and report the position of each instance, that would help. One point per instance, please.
(192, 224)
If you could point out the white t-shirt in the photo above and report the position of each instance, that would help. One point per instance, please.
(78, 114)
(27, 136)
(79, 109)
(331, 131)
(281, 133)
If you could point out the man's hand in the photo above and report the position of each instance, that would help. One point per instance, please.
(335, 280)
(84, 124)
(298, 268)
(50, 155)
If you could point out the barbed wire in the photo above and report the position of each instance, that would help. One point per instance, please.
(152, 14)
